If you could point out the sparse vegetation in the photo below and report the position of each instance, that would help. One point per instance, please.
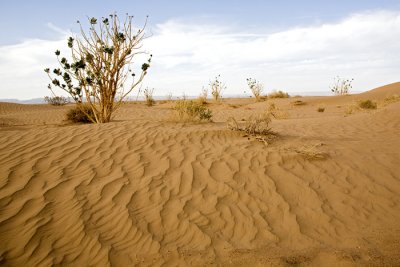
(256, 88)
(100, 66)
(217, 86)
(276, 112)
(392, 99)
(321, 109)
(189, 110)
(367, 104)
(299, 103)
(351, 109)
(56, 100)
(81, 114)
(257, 126)
(341, 86)
(278, 94)
(202, 99)
(148, 95)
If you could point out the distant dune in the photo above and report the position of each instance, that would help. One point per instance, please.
(145, 191)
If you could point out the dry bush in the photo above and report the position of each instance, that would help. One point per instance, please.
(321, 109)
(341, 86)
(367, 104)
(80, 114)
(276, 112)
(299, 103)
(256, 88)
(202, 99)
(189, 110)
(56, 100)
(148, 95)
(99, 69)
(278, 94)
(217, 87)
(257, 126)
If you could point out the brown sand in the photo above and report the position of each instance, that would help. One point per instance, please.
(146, 191)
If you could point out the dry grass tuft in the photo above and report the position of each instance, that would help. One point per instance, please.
(391, 99)
(256, 126)
(80, 114)
(278, 94)
(190, 111)
(367, 104)
(321, 109)
(148, 95)
(202, 99)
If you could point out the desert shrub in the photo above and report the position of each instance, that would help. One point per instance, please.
(202, 99)
(56, 100)
(367, 104)
(100, 65)
(217, 87)
(189, 110)
(253, 125)
(321, 109)
(341, 86)
(257, 126)
(255, 87)
(148, 96)
(278, 94)
(82, 114)
(299, 103)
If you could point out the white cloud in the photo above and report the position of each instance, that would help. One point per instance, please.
(363, 46)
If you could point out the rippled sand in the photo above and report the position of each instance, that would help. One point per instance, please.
(143, 190)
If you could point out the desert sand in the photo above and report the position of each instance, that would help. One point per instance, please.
(146, 191)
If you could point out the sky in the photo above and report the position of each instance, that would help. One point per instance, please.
(295, 46)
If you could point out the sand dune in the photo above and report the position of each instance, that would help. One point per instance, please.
(142, 190)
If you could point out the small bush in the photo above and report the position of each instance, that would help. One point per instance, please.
(278, 94)
(367, 104)
(216, 88)
(148, 95)
(321, 109)
(56, 100)
(256, 88)
(189, 110)
(202, 99)
(80, 114)
(254, 125)
(341, 86)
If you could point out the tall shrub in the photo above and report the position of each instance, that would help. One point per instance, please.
(99, 68)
